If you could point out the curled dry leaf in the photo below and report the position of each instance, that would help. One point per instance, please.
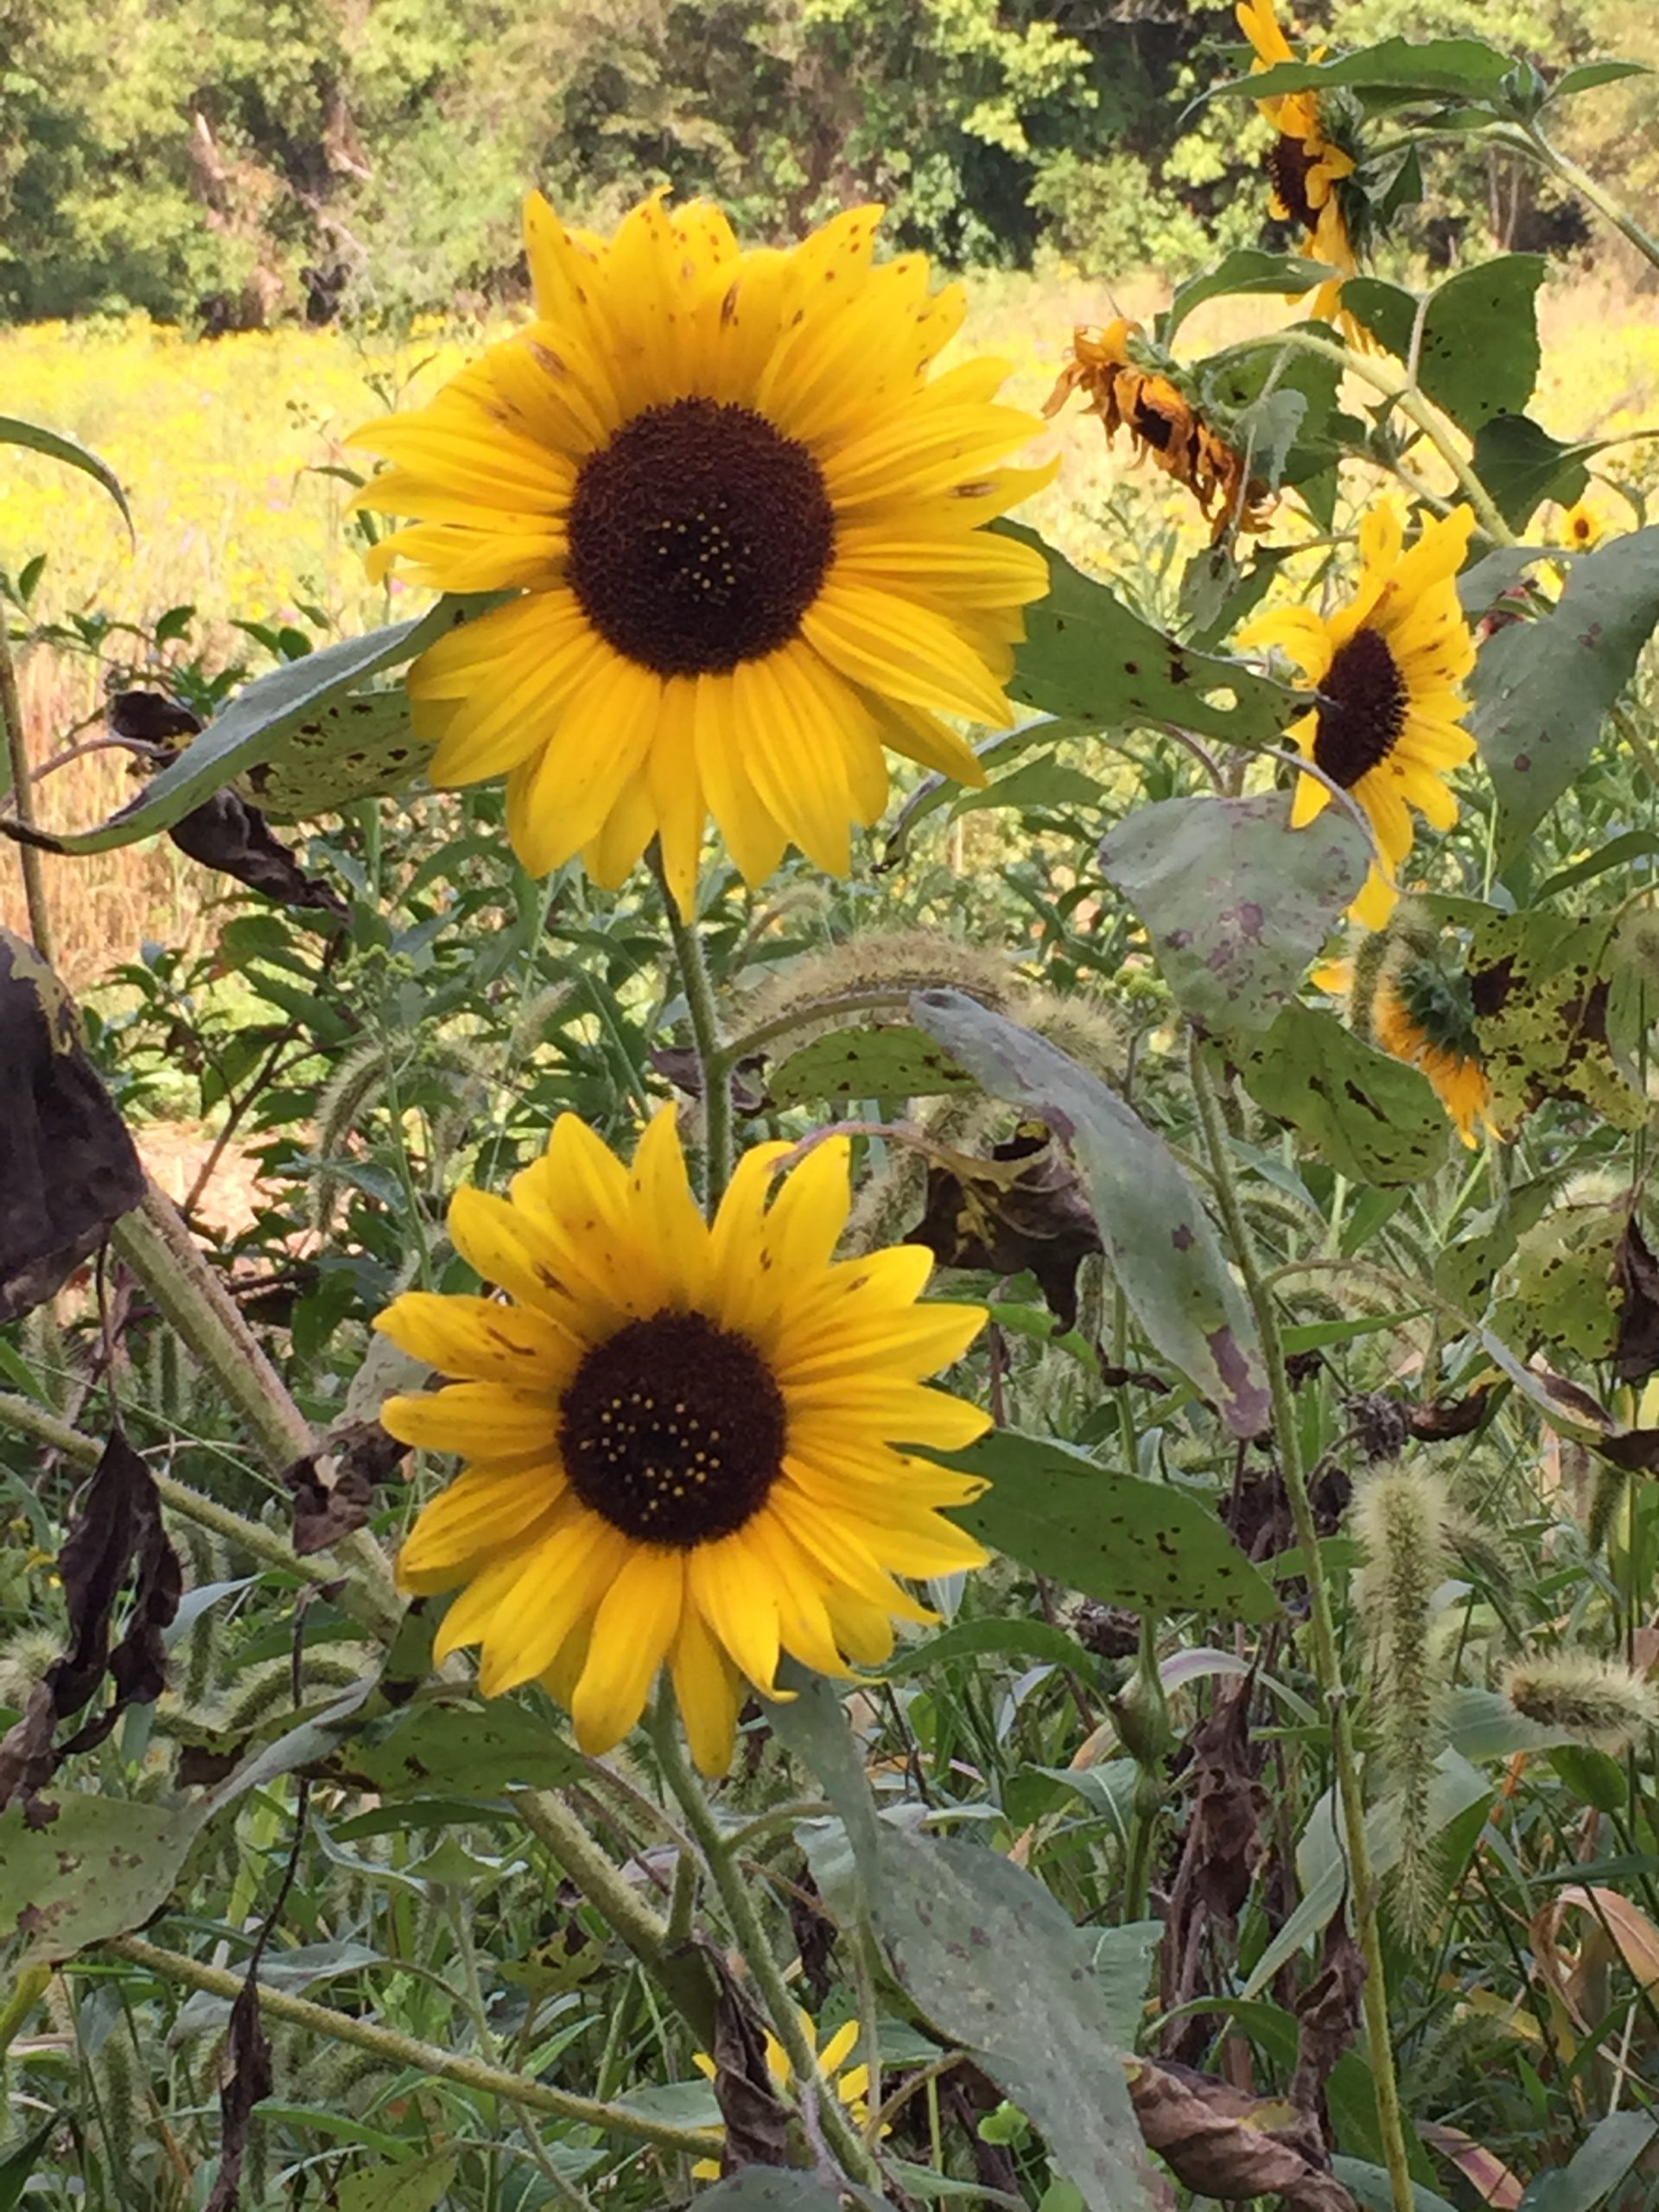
(333, 1488)
(228, 836)
(1037, 1219)
(117, 1533)
(757, 2119)
(248, 2051)
(1326, 2017)
(1481, 2169)
(1219, 2141)
(1615, 1930)
(67, 1167)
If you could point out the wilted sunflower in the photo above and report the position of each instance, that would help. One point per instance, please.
(1401, 997)
(1305, 168)
(1163, 423)
(746, 532)
(683, 1443)
(1387, 667)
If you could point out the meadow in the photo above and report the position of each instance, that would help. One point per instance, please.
(230, 451)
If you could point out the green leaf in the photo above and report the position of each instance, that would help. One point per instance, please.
(360, 746)
(1589, 75)
(1376, 1119)
(409, 2185)
(1542, 689)
(997, 1965)
(1157, 1237)
(1088, 657)
(1478, 353)
(1235, 902)
(1466, 68)
(1246, 269)
(13, 432)
(780, 2189)
(1542, 986)
(1236, 381)
(889, 1064)
(1022, 1639)
(1116, 1537)
(1596, 2168)
(17, 2168)
(1521, 465)
(103, 1866)
(475, 1749)
(253, 728)
(1038, 786)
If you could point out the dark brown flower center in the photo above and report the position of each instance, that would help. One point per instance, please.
(672, 1430)
(1364, 709)
(699, 536)
(1287, 162)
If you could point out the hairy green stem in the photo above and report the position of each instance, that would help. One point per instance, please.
(680, 1974)
(830, 2114)
(870, 1000)
(1327, 1658)
(23, 798)
(402, 2050)
(712, 1060)
(1531, 140)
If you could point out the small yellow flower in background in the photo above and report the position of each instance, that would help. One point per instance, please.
(1387, 667)
(681, 1440)
(1163, 425)
(851, 2086)
(1581, 526)
(1304, 167)
(746, 534)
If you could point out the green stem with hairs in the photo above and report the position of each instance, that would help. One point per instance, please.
(1530, 139)
(418, 2057)
(1327, 1658)
(22, 797)
(712, 1060)
(873, 998)
(680, 1973)
(830, 2114)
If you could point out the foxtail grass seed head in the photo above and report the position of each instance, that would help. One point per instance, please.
(1603, 1703)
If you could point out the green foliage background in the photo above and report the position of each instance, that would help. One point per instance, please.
(231, 162)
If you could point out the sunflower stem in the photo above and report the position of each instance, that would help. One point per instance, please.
(839, 2134)
(1531, 140)
(1327, 1659)
(712, 1060)
(682, 1979)
(407, 2052)
(22, 798)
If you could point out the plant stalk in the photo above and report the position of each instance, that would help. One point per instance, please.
(712, 1060)
(833, 2123)
(23, 798)
(407, 2052)
(1327, 1658)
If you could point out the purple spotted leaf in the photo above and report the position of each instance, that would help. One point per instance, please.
(1157, 1239)
(1235, 902)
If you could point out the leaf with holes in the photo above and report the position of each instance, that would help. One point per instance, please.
(1374, 1119)
(887, 1065)
(1235, 902)
(1088, 657)
(1158, 1238)
(1478, 350)
(1521, 465)
(1543, 688)
(103, 1866)
(360, 746)
(479, 1750)
(1112, 1537)
(1246, 269)
(998, 1965)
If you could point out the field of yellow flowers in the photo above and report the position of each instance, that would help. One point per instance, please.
(229, 450)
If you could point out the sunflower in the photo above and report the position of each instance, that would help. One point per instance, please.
(745, 534)
(1387, 667)
(1414, 1018)
(1163, 423)
(1305, 168)
(1581, 526)
(851, 2083)
(681, 1440)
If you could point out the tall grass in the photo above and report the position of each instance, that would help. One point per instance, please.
(225, 446)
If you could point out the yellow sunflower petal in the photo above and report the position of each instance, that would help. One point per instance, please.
(637, 1620)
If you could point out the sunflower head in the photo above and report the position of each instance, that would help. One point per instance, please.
(1388, 666)
(1581, 526)
(851, 2083)
(684, 1444)
(1306, 166)
(744, 532)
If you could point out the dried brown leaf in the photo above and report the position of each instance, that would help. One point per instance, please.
(1036, 1219)
(1219, 2141)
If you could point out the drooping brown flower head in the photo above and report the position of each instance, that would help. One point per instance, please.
(1164, 423)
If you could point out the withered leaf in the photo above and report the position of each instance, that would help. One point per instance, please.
(1635, 1280)
(67, 1167)
(1326, 2017)
(681, 1065)
(1219, 2141)
(150, 718)
(248, 2051)
(226, 834)
(757, 2119)
(117, 1533)
(333, 1488)
(1445, 1417)
(1037, 1219)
